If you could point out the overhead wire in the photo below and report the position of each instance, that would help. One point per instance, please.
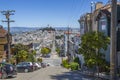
(75, 9)
(79, 9)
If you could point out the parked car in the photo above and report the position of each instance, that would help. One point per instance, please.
(31, 64)
(48, 55)
(7, 70)
(37, 65)
(43, 65)
(25, 67)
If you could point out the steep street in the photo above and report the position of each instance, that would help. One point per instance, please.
(51, 73)
(54, 60)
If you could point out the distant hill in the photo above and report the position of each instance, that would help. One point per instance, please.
(14, 30)
(65, 28)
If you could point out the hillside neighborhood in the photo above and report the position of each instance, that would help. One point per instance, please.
(90, 52)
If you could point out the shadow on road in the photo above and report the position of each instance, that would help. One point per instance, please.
(10, 77)
(72, 75)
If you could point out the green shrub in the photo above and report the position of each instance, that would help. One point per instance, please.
(77, 61)
(65, 64)
(39, 59)
(74, 66)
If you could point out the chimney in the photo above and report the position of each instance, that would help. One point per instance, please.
(98, 5)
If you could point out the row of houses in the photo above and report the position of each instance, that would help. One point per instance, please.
(100, 20)
(71, 45)
(45, 41)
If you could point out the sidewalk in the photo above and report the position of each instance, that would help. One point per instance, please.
(101, 75)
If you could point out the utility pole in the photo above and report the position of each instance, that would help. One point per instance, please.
(92, 4)
(7, 14)
(113, 71)
(68, 54)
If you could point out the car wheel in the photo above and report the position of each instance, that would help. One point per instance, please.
(26, 70)
(4, 75)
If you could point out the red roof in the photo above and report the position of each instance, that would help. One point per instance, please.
(77, 35)
(49, 31)
(3, 32)
(67, 32)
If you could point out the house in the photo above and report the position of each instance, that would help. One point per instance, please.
(66, 34)
(85, 23)
(3, 43)
(73, 44)
(101, 21)
(102, 17)
(37, 48)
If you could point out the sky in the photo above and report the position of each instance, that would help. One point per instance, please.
(41, 13)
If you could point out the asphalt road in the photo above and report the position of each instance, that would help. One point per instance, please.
(51, 73)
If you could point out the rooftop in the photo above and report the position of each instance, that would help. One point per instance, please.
(67, 32)
(3, 32)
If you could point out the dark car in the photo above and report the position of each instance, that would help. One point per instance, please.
(43, 65)
(48, 55)
(25, 67)
(7, 70)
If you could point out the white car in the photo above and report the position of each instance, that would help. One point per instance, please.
(37, 65)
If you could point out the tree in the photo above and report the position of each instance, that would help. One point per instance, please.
(59, 37)
(49, 50)
(19, 47)
(48, 29)
(34, 52)
(17, 51)
(45, 51)
(22, 55)
(31, 56)
(39, 60)
(58, 51)
(92, 46)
